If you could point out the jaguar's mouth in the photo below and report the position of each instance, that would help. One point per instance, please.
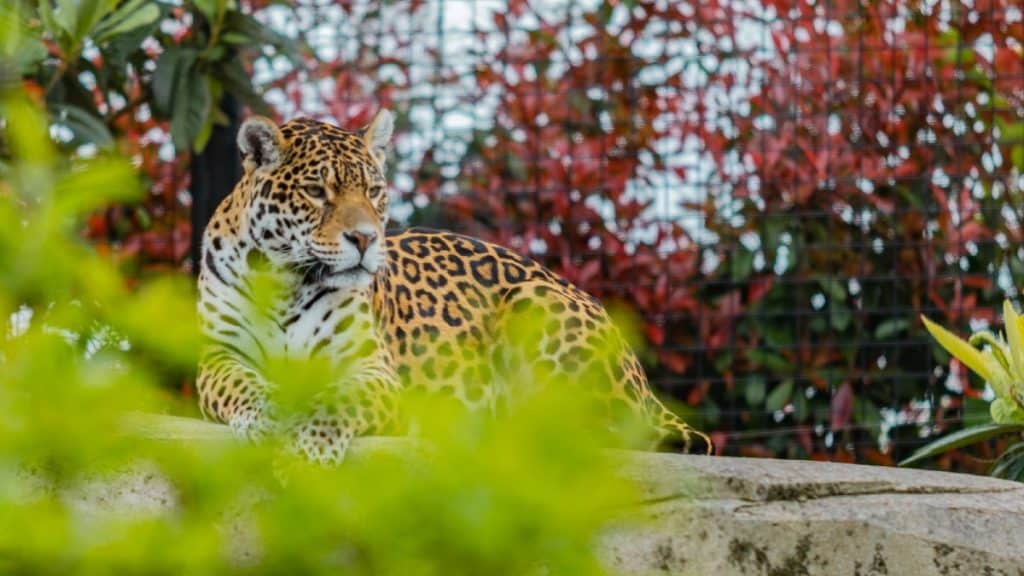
(319, 272)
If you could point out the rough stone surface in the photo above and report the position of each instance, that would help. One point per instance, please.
(740, 516)
(735, 516)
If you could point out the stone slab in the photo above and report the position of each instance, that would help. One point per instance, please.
(701, 515)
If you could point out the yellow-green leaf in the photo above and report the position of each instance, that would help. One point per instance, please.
(959, 348)
(1013, 339)
(1006, 411)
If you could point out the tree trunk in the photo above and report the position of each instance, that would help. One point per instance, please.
(214, 173)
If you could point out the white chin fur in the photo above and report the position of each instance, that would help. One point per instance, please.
(350, 279)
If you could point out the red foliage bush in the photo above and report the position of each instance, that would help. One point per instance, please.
(844, 170)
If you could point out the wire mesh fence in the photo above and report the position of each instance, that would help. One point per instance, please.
(775, 189)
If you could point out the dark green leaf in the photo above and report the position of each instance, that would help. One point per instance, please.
(754, 391)
(800, 409)
(780, 396)
(867, 415)
(127, 18)
(839, 316)
(770, 360)
(776, 335)
(964, 437)
(1010, 464)
(208, 8)
(741, 264)
(236, 38)
(976, 411)
(235, 81)
(891, 327)
(235, 21)
(834, 288)
(118, 51)
(191, 109)
(87, 128)
(171, 66)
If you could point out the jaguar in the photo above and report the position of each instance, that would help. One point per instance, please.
(414, 310)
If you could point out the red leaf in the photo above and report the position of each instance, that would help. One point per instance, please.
(656, 334)
(842, 406)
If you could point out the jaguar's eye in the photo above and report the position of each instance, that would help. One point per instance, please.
(316, 192)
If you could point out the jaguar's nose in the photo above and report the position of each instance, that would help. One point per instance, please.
(361, 240)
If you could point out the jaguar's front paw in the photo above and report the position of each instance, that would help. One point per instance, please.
(320, 441)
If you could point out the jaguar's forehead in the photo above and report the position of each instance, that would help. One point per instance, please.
(313, 145)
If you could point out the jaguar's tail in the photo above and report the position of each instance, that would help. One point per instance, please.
(672, 431)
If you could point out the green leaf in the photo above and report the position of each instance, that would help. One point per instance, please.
(126, 20)
(754, 391)
(173, 64)
(64, 18)
(1011, 132)
(191, 109)
(26, 138)
(1010, 464)
(741, 264)
(776, 335)
(1017, 157)
(1006, 411)
(215, 91)
(119, 49)
(236, 38)
(87, 129)
(839, 316)
(800, 408)
(780, 396)
(891, 327)
(233, 77)
(96, 184)
(46, 16)
(976, 411)
(867, 414)
(89, 13)
(771, 360)
(208, 8)
(235, 21)
(834, 288)
(964, 437)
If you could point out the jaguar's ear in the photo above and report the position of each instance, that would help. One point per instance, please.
(377, 136)
(261, 144)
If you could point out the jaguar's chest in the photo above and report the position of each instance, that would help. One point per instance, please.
(321, 321)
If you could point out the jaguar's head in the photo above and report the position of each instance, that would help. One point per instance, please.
(315, 197)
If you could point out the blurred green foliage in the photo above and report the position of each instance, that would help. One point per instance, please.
(109, 57)
(526, 492)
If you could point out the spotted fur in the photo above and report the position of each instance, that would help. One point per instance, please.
(419, 309)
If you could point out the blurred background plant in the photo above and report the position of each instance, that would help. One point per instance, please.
(777, 189)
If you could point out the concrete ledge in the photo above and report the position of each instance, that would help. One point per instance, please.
(737, 516)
